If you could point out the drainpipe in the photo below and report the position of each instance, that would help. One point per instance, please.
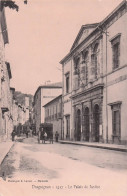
(106, 92)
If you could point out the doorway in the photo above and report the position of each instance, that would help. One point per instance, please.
(78, 125)
(86, 124)
(96, 123)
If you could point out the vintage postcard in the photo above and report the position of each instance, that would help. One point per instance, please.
(63, 97)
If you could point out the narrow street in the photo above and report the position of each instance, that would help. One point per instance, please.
(57, 167)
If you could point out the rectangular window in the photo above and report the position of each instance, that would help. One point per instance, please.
(68, 126)
(116, 51)
(116, 121)
(56, 111)
(67, 82)
(116, 56)
(53, 112)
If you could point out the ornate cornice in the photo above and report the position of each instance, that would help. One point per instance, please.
(87, 90)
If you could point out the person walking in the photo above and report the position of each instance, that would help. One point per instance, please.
(45, 136)
(56, 136)
(13, 134)
(26, 133)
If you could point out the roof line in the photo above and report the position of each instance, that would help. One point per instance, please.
(47, 86)
(83, 26)
(99, 24)
(52, 100)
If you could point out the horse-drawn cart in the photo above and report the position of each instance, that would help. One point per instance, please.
(45, 133)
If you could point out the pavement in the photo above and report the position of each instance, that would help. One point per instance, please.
(122, 148)
(58, 169)
(4, 149)
(6, 146)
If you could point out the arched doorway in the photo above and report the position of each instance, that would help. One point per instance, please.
(96, 123)
(78, 125)
(86, 124)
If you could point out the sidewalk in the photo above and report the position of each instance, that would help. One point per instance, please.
(4, 149)
(122, 148)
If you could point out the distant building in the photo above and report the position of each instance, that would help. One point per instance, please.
(42, 96)
(95, 81)
(15, 107)
(53, 114)
(24, 102)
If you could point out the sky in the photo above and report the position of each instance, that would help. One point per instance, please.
(42, 33)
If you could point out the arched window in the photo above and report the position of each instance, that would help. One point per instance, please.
(94, 60)
(85, 56)
(76, 64)
(77, 68)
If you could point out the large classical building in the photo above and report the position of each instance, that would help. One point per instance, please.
(53, 114)
(95, 81)
(42, 96)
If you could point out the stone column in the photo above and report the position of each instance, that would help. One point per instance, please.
(91, 120)
(82, 133)
(101, 57)
(73, 123)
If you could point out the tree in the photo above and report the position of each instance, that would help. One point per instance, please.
(11, 4)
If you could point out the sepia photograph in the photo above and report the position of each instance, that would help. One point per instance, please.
(63, 97)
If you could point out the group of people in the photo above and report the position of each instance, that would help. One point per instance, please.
(43, 136)
(14, 134)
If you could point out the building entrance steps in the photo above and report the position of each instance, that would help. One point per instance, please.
(4, 149)
(122, 148)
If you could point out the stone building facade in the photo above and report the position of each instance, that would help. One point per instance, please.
(42, 96)
(22, 106)
(95, 81)
(53, 114)
(5, 76)
(6, 102)
(12, 112)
